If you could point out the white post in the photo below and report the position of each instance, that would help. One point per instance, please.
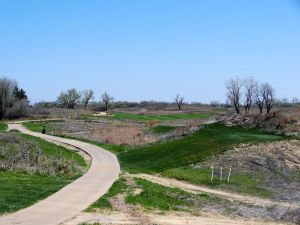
(228, 179)
(212, 174)
(221, 173)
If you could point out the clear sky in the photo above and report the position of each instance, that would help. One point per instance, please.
(149, 49)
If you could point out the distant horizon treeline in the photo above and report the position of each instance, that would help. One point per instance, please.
(246, 93)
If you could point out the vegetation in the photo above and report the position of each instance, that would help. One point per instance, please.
(3, 126)
(213, 139)
(162, 129)
(20, 190)
(166, 117)
(118, 187)
(55, 151)
(38, 126)
(239, 182)
(32, 169)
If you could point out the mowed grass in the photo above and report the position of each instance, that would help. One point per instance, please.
(211, 140)
(151, 117)
(20, 190)
(119, 186)
(37, 126)
(160, 129)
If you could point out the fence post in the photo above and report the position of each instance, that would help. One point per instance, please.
(221, 173)
(228, 179)
(212, 174)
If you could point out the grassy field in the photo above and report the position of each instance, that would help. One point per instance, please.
(37, 126)
(160, 129)
(20, 190)
(149, 117)
(211, 140)
(3, 126)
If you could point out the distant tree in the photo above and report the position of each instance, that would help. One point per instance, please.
(295, 100)
(69, 98)
(268, 95)
(233, 87)
(19, 94)
(249, 85)
(259, 97)
(179, 101)
(107, 100)
(87, 95)
(6, 95)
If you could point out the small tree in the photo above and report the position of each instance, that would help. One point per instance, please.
(107, 100)
(6, 95)
(19, 94)
(268, 95)
(249, 85)
(258, 98)
(234, 93)
(179, 101)
(69, 98)
(87, 95)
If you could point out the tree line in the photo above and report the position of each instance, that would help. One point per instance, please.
(252, 93)
(73, 97)
(13, 100)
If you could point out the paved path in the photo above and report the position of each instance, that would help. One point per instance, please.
(75, 197)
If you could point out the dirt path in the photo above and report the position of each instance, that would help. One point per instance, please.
(228, 195)
(75, 197)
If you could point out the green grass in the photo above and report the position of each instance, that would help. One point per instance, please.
(118, 187)
(148, 117)
(56, 151)
(213, 139)
(239, 182)
(37, 126)
(155, 196)
(20, 190)
(3, 126)
(162, 129)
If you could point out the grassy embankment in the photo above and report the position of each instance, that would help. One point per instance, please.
(21, 188)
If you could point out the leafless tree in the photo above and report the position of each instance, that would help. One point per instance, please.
(6, 89)
(258, 97)
(69, 98)
(249, 85)
(107, 99)
(87, 95)
(179, 101)
(295, 100)
(234, 93)
(268, 95)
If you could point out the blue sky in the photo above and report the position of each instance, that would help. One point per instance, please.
(150, 49)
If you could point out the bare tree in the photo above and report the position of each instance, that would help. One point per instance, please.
(258, 98)
(295, 100)
(234, 93)
(179, 101)
(69, 98)
(107, 99)
(249, 85)
(87, 95)
(268, 95)
(6, 94)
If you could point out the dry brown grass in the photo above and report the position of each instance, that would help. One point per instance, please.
(118, 135)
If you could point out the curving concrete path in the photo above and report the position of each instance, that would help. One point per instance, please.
(75, 197)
